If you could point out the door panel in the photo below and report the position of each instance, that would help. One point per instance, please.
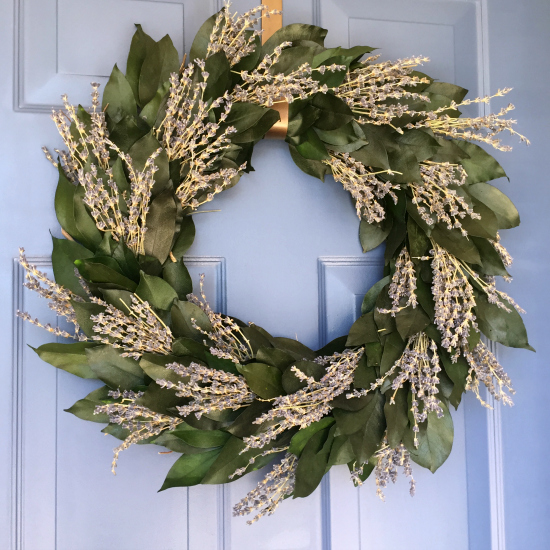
(282, 252)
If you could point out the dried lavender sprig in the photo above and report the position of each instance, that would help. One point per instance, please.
(388, 460)
(235, 34)
(188, 133)
(271, 491)
(263, 87)
(485, 368)
(455, 300)
(240, 471)
(142, 422)
(362, 184)
(137, 332)
(436, 195)
(228, 340)
(420, 367)
(403, 284)
(59, 299)
(210, 389)
(482, 129)
(367, 88)
(311, 403)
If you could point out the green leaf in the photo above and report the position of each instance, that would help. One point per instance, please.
(435, 440)
(141, 44)
(230, 459)
(373, 235)
(202, 439)
(480, 165)
(414, 214)
(419, 243)
(274, 357)
(350, 422)
(113, 369)
(182, 313)
(503, 208)
(338, 345)
(64, 254)
(96, 271)
(375, 153)
(68, 357)
(177, 275)
(185, 237)
(312, 147)
(397, 417)
(161, 226)
(313, 463)
(72, 215)
(84, 408)
(491, 261)
(365, 427)
(504, 327)
(156, 291)
(161, 59)
(244, 116)
(448, 151)
(244, 424)
(373, 351)
(118, 97)
(393, 349)
(291, 383)
(346, 55)
(411, 321)
(422, 144)
(452, 91)
(371, 296)
(264, 381)
(259, 130)
(341, 452)
(292, 57)
(315, 168)
(302, 120)
(395, 240)
(221, 364)
(199, 48)
(425, 297)
(160, 400)
(154, 366)
(487, 226)
(405, 165)
(363, 377)
(456, 244)
(333, 112)
(129, 131)
(294, 348)
(150, 112)
(457, 371)
(295, 33)
(189, 470)
(363, 331)
(300, 439)
(384, 321)
(219, 81)
(83, 312)
(126, 260)
(141, 150)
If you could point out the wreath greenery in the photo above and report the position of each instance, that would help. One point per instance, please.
(229, 396)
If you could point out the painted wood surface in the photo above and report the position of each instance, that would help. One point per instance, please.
(284, 253)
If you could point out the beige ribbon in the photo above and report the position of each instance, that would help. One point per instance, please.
(270, 25)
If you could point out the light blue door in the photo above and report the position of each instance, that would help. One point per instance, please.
(283, 252)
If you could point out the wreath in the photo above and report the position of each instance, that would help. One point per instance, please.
(226, 395)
